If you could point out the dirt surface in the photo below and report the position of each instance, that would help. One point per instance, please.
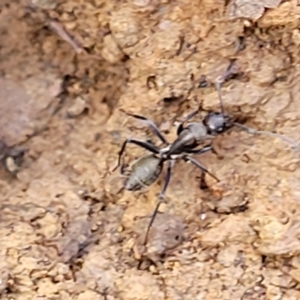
(68, 230)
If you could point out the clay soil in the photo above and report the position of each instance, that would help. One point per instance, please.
(68, 230)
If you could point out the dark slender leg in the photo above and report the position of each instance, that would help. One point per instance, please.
(191, 115)
(160, 198)
(188, 117)
(199, 165)
(123, 170)
(148, 146)
(151, 124)
(198, 151)
(202, 150)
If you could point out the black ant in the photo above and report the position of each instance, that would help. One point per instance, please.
(145, 171)
(148, 168)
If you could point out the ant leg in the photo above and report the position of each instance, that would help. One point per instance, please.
(160, 198)
(254, 131)
(188, 117)
(123, 170)
(198, 151)
(203, 150)
(151, 124)
(148, 146)
(191, 115)
(187, 158)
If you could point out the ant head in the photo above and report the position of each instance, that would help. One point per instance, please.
(217, 123)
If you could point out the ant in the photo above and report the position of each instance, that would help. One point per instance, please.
(148, 168)
(145, 171)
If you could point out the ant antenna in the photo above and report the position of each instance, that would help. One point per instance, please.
(273, 134)
(244, 127)
(229, 72)
(218, 87)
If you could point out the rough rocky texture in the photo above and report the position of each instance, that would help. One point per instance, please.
(68, 230)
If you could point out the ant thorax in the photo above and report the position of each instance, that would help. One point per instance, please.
(197, 131)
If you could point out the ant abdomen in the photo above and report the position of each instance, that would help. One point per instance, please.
(145, 171)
